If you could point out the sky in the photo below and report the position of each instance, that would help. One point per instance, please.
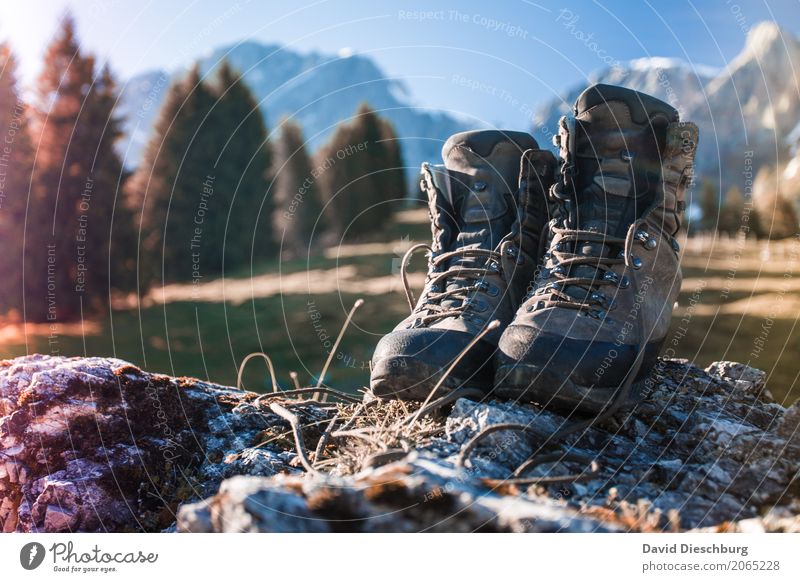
(494, 61)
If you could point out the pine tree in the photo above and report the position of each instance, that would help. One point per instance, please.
(174, 185)
(16, 162)
(358, 180)
(777, 218)
(298, 205)
(203, 183)
(77, 177)
(394, 173)
(730, 216)
(243, 215)
(785, 222)
(709, 206)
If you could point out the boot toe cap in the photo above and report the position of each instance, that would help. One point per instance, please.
(560, 371)
(408, 363)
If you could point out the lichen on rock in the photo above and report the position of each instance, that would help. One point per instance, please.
(95, 444)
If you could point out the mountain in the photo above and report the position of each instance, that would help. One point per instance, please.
(317, 90)
(673, 80)
(753, 105)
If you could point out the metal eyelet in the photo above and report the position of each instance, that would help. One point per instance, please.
(647, 240)
(610, 276)
(492, 291)
(595, 296)
(511, 251)
(626, 155)
(675, 246)
(477, 305)
(479, 186)
(559, 270)
(529, 308)
(624, 283)
(636, 262)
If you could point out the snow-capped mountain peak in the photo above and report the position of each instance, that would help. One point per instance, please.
(752, 105)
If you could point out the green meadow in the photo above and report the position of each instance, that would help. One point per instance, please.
(740, 301)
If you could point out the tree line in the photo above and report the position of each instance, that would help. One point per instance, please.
(216, 193)
(765, 211)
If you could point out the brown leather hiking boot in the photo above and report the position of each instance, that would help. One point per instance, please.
(487, 207)
(589, 333)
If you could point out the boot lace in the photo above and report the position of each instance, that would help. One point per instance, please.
(439, 275)
(565, 259)
(564, 256)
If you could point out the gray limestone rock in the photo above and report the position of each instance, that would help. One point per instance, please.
(95, 444)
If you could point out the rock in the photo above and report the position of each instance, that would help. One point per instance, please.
(413, 495)
(244, 504)
(789, 427)
(96, 444)
(742, 378)
(699, 452)
(780, 519)
(57, 518)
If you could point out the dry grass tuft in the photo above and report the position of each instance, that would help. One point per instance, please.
(375, 428)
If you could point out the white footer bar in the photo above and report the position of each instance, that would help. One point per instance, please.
(412, 557)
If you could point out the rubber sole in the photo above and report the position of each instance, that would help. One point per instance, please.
(530, 383)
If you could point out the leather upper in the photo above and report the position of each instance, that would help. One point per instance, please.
(626, 160)
(490, 194)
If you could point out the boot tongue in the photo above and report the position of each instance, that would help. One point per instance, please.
(619, 136)
(483, 169)
(607, 195)
(481, 206)
(483, 216)
(484, 176)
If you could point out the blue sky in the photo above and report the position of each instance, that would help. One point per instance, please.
(491, 60)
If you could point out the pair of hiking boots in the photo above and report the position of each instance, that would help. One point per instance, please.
(576, 259)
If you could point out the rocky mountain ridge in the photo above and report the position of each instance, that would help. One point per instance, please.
(753, 105)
